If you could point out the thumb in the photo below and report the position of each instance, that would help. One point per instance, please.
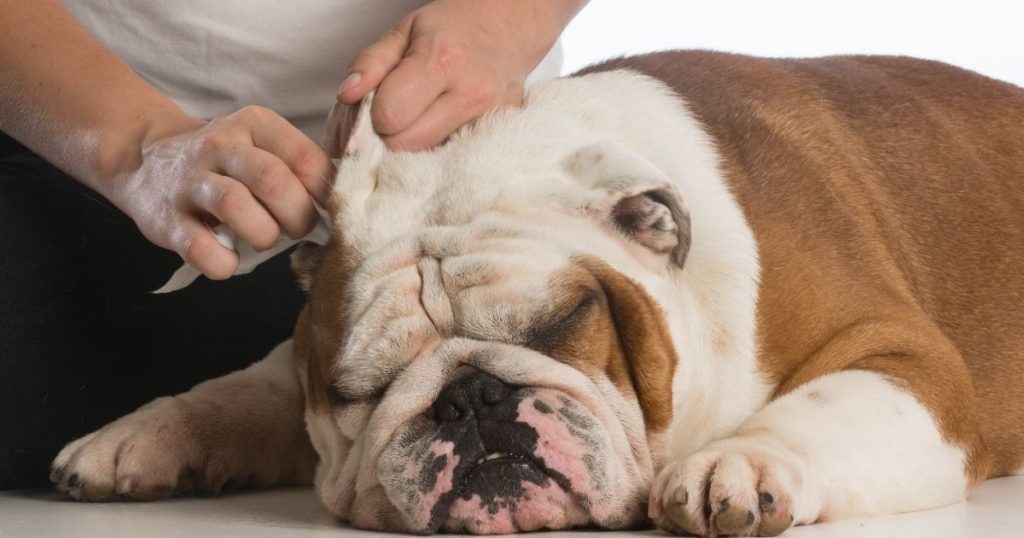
(371, 65)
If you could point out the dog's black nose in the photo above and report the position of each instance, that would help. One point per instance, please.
(470, 396)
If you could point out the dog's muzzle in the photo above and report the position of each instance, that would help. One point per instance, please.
(493, 458)
(479, 415)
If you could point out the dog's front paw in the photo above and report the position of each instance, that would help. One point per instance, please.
(737, 487)
(147, 455)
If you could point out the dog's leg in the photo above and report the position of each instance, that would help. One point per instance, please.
(246, 427)
(890, 432)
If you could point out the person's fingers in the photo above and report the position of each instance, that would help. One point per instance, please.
(231, 203)
(371, 65)
(195, 243)
(306, 160)
(407, 92)
(274, 185)
(451, 110)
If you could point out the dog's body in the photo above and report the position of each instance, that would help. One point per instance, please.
(833, 328)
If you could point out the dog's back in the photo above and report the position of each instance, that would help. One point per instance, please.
(879, 188)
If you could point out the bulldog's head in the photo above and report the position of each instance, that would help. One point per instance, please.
(486, 346)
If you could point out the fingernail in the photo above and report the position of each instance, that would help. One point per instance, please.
(124, 485)
(682, 496)
(350, 81)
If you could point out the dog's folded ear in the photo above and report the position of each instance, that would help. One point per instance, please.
(656, 219)
(634, 197)
(338, 129)
(349, 140)
(350, 137)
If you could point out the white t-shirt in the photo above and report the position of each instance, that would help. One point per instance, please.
(213, 57)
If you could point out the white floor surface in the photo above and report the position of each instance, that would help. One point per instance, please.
(994, 510)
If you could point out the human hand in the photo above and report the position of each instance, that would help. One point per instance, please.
(251, 170)
(451, 61)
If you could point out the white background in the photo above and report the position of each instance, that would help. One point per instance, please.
(984, 35)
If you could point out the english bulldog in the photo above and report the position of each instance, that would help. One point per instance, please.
(718, 294)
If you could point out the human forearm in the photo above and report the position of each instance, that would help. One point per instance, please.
(69, 99)
(557, 14)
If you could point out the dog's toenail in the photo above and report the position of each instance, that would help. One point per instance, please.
(682, 496)
(73, 480)
(124, 485)
(750, 517)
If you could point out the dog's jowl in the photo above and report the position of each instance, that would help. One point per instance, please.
(716, 294)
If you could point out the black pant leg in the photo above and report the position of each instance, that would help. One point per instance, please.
(82, 342)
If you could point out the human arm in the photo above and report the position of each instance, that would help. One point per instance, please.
(72, 101)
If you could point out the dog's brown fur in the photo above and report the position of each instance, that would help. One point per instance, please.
(887, 198)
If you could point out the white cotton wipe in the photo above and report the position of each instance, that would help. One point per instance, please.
(248, 257)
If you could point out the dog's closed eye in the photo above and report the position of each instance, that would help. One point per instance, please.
(339, 398)
(546, 336)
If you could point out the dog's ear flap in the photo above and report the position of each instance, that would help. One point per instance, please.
(350, 137)
(635, 197)
(338, 130)
(346, 126)
(349, 140)
(656, 219)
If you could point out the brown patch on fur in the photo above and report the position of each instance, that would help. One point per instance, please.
(887, 200)
(304, 260)
(607, 325)
(321, 328)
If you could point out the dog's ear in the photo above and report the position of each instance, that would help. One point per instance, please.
(657, 219)
(338, 129)
(349, 140)
(635, 197)
(350, 137)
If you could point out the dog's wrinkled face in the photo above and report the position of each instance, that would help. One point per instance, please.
(473, 361)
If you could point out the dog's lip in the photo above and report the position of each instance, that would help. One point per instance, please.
(487, 463)
(498, 457)
(493, 458)
(490, 459)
